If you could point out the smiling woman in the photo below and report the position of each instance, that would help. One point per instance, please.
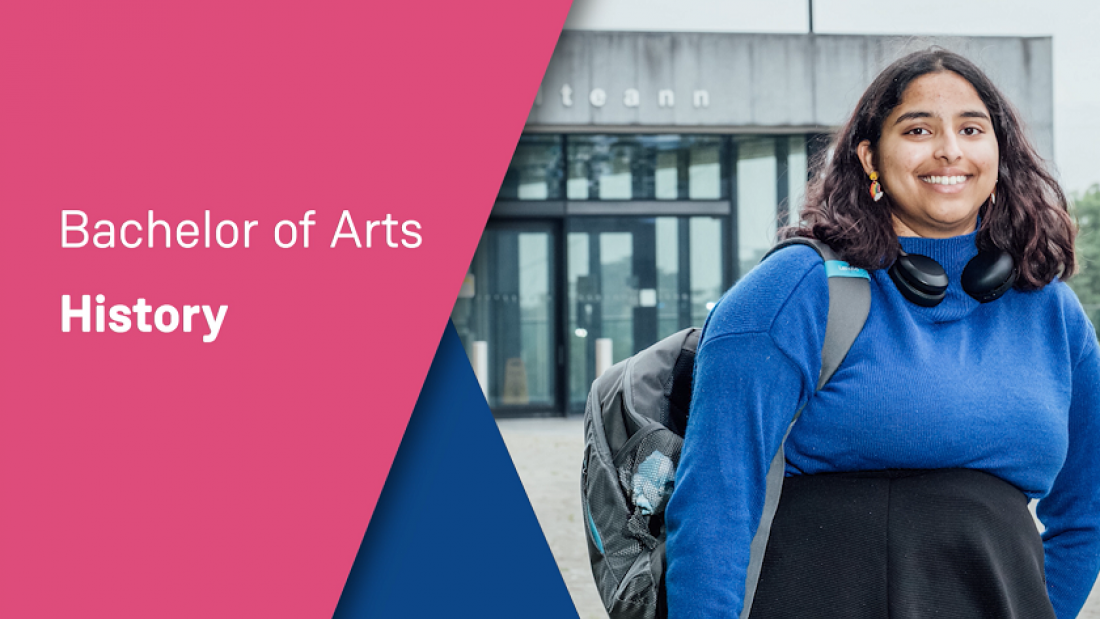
(930, 115)
(973, 387)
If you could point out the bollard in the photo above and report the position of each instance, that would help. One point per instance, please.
(603, 355)
(480, 360)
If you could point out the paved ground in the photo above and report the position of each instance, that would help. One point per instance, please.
(547, 454)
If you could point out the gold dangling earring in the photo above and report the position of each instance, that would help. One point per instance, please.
(876, 189)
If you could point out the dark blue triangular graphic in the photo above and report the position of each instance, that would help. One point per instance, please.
(453, 533)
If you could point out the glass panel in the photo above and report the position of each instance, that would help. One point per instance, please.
(582, 303)
(535, 171)
(613, 173)
(603, 295)
(706, 266)
(705, 171)
(667, 175)
(634, 280)
(645, 167)
(536, 323)
(620, 293)
(796, 176)
(505, 317)
(668, 276)
(578, 162)
(756, 199)
(666, 152)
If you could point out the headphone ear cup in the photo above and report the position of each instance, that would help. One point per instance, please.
(989, 275)
(920, 279)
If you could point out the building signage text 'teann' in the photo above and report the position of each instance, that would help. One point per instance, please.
(631, 97)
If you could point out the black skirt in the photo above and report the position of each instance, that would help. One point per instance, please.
(902, 545)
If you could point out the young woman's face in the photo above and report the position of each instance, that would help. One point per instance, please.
(937, 158)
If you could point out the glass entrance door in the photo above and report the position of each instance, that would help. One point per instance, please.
(506, 317)
(632, 281)
(537, 340)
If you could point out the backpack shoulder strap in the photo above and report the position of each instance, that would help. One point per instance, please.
(849, 304)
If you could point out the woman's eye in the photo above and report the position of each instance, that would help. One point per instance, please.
(971, 131)
(919, 131)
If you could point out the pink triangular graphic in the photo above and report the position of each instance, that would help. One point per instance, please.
(152, 474)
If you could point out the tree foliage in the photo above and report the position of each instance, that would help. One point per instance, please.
(1086, 283)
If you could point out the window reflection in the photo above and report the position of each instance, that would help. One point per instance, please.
(705, 171)
(613, 177)
(669, 295)
(797, 173)
(582, 291)
(644, 167)
(535, 170)
(505, 317)
(756, 199)
(706, 266)
(666, 177)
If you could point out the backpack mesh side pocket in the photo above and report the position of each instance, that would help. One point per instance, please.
(607, 512)
(626, 543)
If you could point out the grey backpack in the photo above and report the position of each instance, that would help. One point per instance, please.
(634, 424)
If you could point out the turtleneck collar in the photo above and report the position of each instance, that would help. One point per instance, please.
(953, 254)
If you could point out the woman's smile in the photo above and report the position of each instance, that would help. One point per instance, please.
(944, 180)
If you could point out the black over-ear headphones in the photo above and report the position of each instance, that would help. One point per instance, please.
(923, 281)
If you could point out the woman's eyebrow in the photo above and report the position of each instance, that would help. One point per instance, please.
(975, 114)
(967, 114)
(911, 115)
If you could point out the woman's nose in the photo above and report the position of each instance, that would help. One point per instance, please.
(948, 148)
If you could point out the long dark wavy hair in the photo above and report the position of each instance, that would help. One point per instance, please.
(1030, 219)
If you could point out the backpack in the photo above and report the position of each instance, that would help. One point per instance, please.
(634, 423)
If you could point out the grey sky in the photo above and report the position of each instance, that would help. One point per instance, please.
(1073, 24)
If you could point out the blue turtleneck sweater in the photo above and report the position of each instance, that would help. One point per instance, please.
(1010, 387)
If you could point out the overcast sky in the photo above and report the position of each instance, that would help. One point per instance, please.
(1073, 24)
